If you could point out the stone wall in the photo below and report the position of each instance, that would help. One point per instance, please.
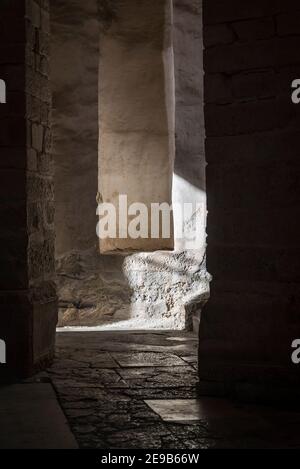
(252, 149)
(27, 292)
(74, 76)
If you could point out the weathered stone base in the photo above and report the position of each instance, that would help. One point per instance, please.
(264, 387)
(160, 290)
(245, 342)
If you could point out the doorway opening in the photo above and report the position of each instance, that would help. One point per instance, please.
(127, 83)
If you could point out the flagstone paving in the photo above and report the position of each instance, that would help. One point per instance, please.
(139, 390)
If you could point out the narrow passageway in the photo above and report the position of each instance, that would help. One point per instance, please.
(139, 390)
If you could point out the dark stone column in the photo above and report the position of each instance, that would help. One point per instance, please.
(28, 309)
(252, 149)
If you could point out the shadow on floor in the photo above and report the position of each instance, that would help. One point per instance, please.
(138, 390)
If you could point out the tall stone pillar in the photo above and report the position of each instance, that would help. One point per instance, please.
(136, 114)
(252, 148)
(28, 309)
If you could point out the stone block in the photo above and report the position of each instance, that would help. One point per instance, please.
(15, 105)
(45, 316)
(266, 187)
(273, 52)
(253, 30)
(11, 10)
(12, 54)
(41, 257)
(34, 217)
(14, 76)
(218, 34)
(218, 88)
(255, 263)
(260, 148)
(12, 158)
(218, 11)
(31, 160)
(253, 85)
(35, 14)
(250, 117)
(252, 227)
(12, 192)
(40, 188)
(33, 113)
(45, 21)
(13, 216)
(13, 132)
(13, 251)
(18, 36)
(288, 24)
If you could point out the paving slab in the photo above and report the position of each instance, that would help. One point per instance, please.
(144, 359)
(159, 377)
(31, 418)
(122, 390)
(176, 410)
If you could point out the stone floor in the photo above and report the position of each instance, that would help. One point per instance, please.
(31, 418)
(138, 390)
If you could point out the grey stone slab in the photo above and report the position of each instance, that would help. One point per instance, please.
(187, 410)
(31, 418)
(162, 393)
(141, 359)
(89, 378)
(80, 358)
(176, 410)
(70, 396)
(182, 339)
(103, 360)
(65, 366)
(159, 377)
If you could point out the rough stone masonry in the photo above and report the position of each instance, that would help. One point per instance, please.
(27, 290)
